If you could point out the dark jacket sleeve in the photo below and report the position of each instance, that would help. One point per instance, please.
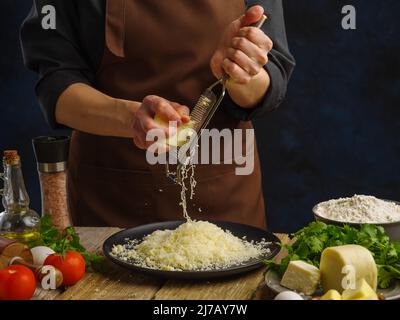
(280, 66)
(54, 54)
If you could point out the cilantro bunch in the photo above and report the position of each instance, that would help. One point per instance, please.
(313, 239)
(63, 241)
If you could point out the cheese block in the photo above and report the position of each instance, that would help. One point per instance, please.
(302, 277)
(331, 295)
(342, 267)
(183, 134)
(363, 291)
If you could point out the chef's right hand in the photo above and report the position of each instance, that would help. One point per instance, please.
(144, 118)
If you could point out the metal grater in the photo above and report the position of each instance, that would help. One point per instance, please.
(202, 114)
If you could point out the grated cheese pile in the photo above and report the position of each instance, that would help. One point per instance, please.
(194, 245)
(360, 209)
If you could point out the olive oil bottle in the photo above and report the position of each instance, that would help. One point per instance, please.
(17, 221)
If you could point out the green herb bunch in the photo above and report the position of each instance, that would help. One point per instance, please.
(63, 241)
(313, 239)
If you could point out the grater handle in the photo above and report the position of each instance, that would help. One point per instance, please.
(258, 25)
(260, 22)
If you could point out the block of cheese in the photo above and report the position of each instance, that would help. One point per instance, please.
(363, 291)
(302, 277)
(331, 295)
(183, 134)
(338, 264)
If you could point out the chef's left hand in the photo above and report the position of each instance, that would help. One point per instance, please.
(243, 50)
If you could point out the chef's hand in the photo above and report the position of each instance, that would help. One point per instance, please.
(144, 118)
(243, 50)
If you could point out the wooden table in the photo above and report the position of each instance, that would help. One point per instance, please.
(119, 284)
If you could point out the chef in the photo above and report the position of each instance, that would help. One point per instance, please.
(110, 66)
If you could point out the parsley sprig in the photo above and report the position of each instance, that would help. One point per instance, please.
(313, 239)
(63, 241)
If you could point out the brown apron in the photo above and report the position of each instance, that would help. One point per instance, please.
(161, 48)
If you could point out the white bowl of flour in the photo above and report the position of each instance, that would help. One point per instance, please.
(361, 209)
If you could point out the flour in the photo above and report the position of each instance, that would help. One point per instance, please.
(359, 209)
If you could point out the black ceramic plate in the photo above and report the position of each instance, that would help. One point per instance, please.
(239, 230)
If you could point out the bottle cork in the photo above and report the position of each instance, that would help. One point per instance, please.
(11, 157)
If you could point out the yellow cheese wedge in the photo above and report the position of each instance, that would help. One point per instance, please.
(331, 295)
(363, 291)
(344, 266)
(302, 277)
(183, 134)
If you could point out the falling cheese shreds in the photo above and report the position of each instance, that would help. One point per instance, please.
(193, 246)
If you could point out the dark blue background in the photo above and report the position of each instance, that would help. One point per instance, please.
(337, 133)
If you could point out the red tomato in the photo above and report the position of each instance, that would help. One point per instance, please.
(17, 283)
(71, 265)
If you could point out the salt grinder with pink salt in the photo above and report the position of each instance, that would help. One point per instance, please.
(52, 159)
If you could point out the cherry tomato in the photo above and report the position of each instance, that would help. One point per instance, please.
(71, 265)
(17, 283)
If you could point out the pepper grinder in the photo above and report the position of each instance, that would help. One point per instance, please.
(51, 154)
